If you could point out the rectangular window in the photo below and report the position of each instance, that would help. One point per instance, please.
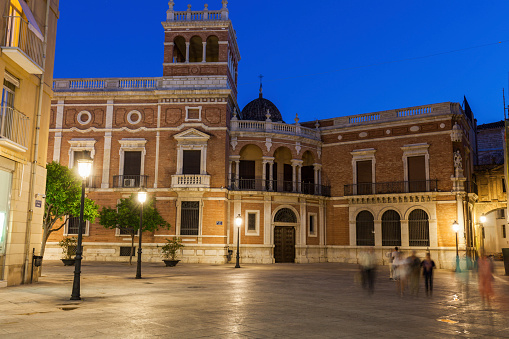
(191, 162)
(504, 189)
(132, 169)
(193, 113)
(364, 177)
(251, 222)
(125, 251)
(73, 226)
(417, 174)
(312, 224)
(189, 218)
(503, 232)
(501, 213)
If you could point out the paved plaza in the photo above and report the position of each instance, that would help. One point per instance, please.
(255, 301)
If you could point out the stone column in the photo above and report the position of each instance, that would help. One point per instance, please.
(230, 173)
(267, 185)
(264, 174)
(187, 51)
(317, 168)
(378, 232)
(237, 174)
(271, 175)
(296, 166)
(405, 241)
(234, 178)
(204, 52)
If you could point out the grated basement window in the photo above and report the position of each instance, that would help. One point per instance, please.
(125, 251)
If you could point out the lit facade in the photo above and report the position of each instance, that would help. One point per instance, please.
(27, 78)
(316, 191)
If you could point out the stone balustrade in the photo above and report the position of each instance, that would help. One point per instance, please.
(190, 15)
(398, 114)
(109, 84)
(274, 127)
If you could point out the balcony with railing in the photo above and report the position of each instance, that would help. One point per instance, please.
(273, 127)
(22, 45)
(190, 181)
(13, 129)
(394, 187)
(130, 181)
(260, 185)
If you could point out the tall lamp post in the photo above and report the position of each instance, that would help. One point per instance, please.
(84, 169)
(483, 220)
(142, 197)
(456, 228)
(238, 222)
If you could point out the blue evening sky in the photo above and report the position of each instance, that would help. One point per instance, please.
(321, 59)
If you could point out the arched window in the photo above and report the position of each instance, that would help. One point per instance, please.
(285, 215)
(418, 228)
(391, 228)
(179, 49)
(212, 49)
(196, 49)
(365, 228)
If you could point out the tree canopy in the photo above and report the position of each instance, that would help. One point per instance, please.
(126, 216)
(63, 200)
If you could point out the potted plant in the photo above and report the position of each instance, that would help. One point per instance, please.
(170, 251)
(69, 250)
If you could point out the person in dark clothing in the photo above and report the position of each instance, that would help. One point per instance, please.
(428, 266)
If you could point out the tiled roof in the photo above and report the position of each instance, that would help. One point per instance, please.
(492, 125)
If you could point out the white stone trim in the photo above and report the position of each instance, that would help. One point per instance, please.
(363, 155)
(132, 145)
(130, 117)
(315, 217)
(80, 119)
(412, 151)
(256, 232)
(192, 139)
(199, 108)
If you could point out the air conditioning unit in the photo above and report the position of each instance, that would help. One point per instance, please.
(129, 182)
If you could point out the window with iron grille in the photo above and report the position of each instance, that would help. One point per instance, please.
(391, 228)
(73, 225)
(251, 222)
(285, 215)
(418, 228)
(189, 217)
(365, 229)
(125, 251)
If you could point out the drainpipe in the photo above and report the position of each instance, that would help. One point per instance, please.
(31, 193)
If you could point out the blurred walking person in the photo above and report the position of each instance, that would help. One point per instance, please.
(428, 266)
(414, 273)
(393, 254)
(367, 262)
(400, 272)
(485, 270)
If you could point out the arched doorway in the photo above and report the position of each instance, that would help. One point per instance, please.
(284, 236)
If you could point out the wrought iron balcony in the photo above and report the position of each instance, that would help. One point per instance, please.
(130, 181)
(13, 129)
(22, 45)
(241, 184)
(392, 187)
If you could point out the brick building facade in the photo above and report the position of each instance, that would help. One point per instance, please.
(307, 192)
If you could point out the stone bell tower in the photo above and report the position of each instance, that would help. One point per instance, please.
(200, 49)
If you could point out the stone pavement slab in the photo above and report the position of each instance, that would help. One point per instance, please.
(255, 301)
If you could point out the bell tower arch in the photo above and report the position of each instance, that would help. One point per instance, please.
(200, 49)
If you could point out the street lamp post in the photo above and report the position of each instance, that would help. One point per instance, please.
(84, 169)
(456, 228)
(483, 220)
(238, 222)
(142, 197)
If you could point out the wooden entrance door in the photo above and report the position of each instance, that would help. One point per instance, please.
(284, 244)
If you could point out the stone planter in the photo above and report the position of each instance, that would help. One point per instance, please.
(68, 262)
(170, 263)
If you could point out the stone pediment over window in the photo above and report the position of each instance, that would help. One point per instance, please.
(192, 136)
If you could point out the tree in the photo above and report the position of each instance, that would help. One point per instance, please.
(126, 216)
(63, 200)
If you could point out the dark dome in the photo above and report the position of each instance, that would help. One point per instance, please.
(257, 109)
